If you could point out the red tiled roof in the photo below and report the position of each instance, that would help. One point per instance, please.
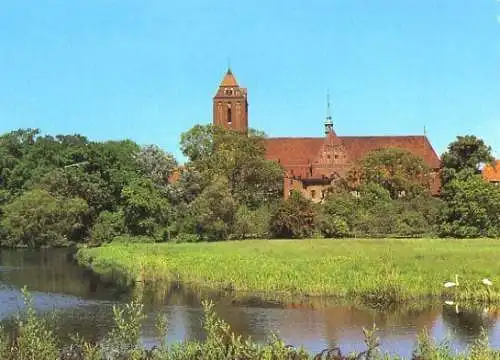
(299, 152)
(358, 146)
(290, 151)
(492, 172)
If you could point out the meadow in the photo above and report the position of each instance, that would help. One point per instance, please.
(372, 270)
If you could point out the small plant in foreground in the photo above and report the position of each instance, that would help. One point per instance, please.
(32, 340)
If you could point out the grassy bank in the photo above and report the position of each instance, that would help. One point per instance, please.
(373, 270)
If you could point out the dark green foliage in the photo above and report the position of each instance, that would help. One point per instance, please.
(37, 218)
(465, 153)
(128, 239)
(57, 190)
(79, 180)
(214, 211)
(293, 218)
(146, 209)
(107, 226)
(214, 152)
(371, 212)
(332, 226)
(396, 170)
(472, 207)
(252, 224)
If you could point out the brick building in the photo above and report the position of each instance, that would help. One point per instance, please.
(491, 173)
(312, 164)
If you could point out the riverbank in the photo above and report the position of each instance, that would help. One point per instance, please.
(381, 270)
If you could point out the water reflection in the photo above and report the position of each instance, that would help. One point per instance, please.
(84, 305)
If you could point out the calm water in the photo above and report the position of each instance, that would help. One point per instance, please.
(84, 305)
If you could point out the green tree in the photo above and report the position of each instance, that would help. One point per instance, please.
(332, 226)
(215, 152)
(214, 211)
(146, 209)
(472, 207)
(76, 182)
(156, 164)
(338, 212)
(37, 218)
(107, 226)
(397, 170)
(293, 218)
(376, 212)
(252, 224)
(466, 153)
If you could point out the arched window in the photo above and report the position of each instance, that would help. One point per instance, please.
(229, 114)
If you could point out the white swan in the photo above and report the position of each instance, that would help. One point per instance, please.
(486, 282)
(450, 284)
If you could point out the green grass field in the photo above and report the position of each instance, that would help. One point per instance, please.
(373, 270)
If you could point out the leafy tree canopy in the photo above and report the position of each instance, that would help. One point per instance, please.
(396, 170)
(214, 151)
(466, 153)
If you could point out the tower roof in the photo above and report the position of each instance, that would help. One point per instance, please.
(229, 79)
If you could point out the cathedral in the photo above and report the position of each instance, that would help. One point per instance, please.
(312, 164)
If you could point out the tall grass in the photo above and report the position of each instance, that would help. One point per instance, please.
(32, 339)
(379, 271)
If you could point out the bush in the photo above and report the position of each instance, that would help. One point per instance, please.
(107, 226)
(186, 238)
(128, 239)
(214, 211)
(332, 226)
(38, 218)
(293, 218)
(252, 224)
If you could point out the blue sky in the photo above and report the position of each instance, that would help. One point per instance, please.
(148, 69)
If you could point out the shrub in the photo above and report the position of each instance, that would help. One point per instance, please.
(332, 226)
(127, 239)
(107, 227)
(293, 218)
(186, 238)
(38, 218)
(252, 224)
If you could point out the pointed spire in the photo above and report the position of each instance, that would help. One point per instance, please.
(229, 79)
(328, 118)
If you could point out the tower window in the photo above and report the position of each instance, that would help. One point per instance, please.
(229, 114)
(229, 92)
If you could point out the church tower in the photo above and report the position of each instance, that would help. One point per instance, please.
(230, 105)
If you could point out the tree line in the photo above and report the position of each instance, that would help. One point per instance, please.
(65, 189)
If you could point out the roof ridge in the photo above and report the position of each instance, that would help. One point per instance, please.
(381, 136)
(295, 137)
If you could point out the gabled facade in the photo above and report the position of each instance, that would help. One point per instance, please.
(312, 164)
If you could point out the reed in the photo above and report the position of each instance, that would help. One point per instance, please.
(367, 270)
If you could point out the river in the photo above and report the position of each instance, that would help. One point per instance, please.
(83, 305)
